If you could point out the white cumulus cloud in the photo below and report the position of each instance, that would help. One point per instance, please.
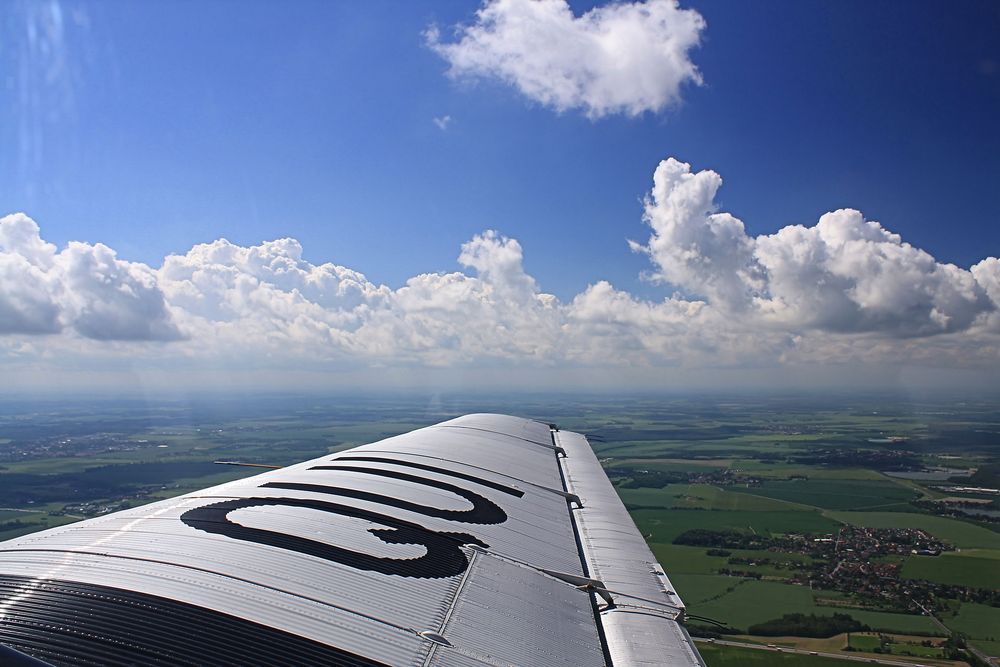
(84, 287)
(844, 274)
(618, 58)
(28, 302)
(844, 291)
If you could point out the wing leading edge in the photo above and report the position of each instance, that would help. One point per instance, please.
(484, 540)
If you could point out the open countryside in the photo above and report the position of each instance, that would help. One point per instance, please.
(857, 527)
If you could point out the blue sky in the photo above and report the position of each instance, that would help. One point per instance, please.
(152, 127)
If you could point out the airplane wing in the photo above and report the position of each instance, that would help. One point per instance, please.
(484, 540)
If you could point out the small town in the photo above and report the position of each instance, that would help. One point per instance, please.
(862, 565)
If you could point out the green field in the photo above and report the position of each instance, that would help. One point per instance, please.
(836, 494)
(676, 558)
(697, 589)
(961, 534)
(664, 498)
(703, 496)
(732, 656)
(865, 642)
(669, 464)
(960, 569)
(681, 559)
(978, 621)
(663, 526)
(989, 648)
(15, 524)
(783, 471)
(744, 607)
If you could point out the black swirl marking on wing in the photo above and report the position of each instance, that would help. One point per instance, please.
(444, 556)
(484, 510)
(423, 466)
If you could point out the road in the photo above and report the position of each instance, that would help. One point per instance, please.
(979, 654)
(839, 656)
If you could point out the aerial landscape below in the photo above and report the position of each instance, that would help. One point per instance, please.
(843, 525)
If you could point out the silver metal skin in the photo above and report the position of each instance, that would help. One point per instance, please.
(459, 544)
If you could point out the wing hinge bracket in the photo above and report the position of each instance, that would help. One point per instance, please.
(568, 495)
(583, 583)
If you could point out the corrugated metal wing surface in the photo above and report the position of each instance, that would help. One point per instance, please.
(358, 552)
(492, 622)
(454, 545)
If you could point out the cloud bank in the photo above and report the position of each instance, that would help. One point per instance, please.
(845, 274)
(619, 58)
(84, 288)
(843, 291)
